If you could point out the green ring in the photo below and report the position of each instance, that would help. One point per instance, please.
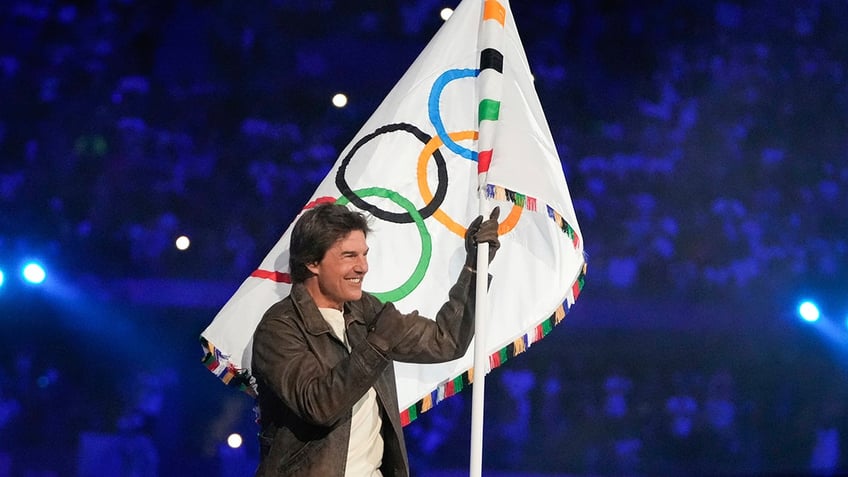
(426, 242)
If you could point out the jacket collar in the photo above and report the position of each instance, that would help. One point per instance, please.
(308, 310)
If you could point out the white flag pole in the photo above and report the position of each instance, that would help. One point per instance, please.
(480, 358)
(489, 91)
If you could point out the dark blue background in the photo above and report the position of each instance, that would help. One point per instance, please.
(705, 147)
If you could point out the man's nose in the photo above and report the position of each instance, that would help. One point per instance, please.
(362, 264)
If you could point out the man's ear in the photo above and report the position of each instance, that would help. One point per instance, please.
(312, 267)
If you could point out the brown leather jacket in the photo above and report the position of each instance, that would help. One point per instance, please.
(309, 382)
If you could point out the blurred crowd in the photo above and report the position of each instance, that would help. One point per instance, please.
(580, 402)
(606, 404)
(703, 142)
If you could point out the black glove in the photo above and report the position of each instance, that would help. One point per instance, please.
(480, 231)
(387, 329)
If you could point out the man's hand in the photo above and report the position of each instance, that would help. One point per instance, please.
(386, 331)
(479, 231)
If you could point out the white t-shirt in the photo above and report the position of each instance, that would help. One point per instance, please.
(365, 447)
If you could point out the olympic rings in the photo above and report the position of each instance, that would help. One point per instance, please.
(400, 218)
(433, 202)
(426, 241)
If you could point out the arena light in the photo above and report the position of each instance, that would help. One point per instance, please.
(182, 242)
(809, 311)
(446, 13)
(234, 440)
(34, 273)
(2, 278)
(340, 100)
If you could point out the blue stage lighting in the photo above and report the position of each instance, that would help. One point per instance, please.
(34, 273)
(809, 311)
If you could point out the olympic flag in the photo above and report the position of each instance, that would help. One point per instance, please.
(416, 169)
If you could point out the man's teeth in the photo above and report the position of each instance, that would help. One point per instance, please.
(354, 280)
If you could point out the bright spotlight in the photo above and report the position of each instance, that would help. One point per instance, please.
(809, 311)
(34, 273)
(182, 242)
(1, 278)
(340, 100)
(446, 13)
(234, 440)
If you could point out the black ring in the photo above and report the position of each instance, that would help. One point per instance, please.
(396, 217)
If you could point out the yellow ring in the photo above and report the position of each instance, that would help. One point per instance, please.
(436, 142)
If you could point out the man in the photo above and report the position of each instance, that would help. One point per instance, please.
(322, 356)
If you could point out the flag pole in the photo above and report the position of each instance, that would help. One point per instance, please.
(480, 358)
(489, 90)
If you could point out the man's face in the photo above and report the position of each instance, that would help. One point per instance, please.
(339, 274)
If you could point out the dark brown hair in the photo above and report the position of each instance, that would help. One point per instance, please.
(316, 231)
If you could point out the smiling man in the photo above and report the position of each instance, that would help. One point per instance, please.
(322, 356)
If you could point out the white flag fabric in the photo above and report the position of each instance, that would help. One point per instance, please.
(413, 168)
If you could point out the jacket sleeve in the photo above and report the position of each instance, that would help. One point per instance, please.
(319, 392)
(448, 336)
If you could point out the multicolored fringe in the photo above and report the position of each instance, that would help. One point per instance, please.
(530, 203)
(220, 365)
(520, 345)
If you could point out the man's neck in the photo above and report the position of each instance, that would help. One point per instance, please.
(321, 301)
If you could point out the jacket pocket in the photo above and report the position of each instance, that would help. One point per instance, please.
(286, 453)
